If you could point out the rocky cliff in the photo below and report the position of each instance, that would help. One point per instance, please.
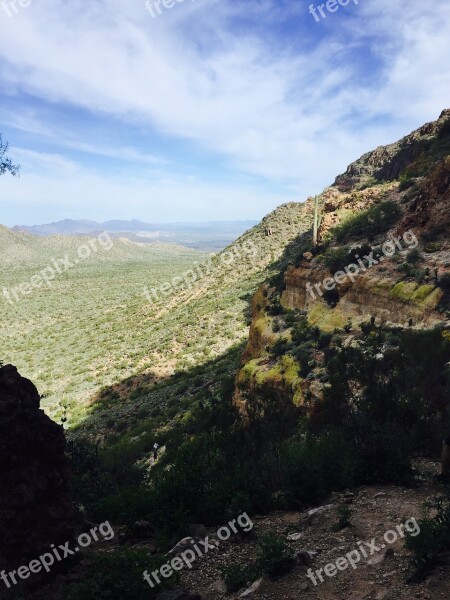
(383, 256)
(35, 505)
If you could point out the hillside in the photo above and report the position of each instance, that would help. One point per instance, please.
(318, 414)
(392, 207)
(208, 236)
(98, 328)
(19, 249)
(340, 399)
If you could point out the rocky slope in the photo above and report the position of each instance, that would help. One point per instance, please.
(382, 575)
(383, 254)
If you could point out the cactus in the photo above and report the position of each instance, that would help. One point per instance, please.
(317, 221)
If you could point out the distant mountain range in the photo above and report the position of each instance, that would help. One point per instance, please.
(212, 235)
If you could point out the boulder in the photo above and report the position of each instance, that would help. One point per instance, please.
(35, 505)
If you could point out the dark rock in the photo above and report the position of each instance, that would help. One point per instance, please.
(387, 163)
(35, 506)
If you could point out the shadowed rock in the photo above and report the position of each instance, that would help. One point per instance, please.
(35, 506)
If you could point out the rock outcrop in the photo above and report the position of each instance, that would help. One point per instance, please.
(387, 163)
(397, 289)
(35, 505)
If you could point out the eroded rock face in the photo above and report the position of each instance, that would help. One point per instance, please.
(35, 506)
(386, 163)
(375, 293)
(430, 208)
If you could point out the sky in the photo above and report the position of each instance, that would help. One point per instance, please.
(205, 109)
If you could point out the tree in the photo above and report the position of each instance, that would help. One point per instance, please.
(6, 164)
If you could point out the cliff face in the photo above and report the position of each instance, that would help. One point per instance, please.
(383, 256)
(387, 163)
(35, 505)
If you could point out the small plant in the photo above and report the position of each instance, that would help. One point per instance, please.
(118, 575)
(432, 247)
(344, 517)
(444, 131)
(348, 326)
(406, 183)
(434, 538)
(413, 256)
(444, 281)
(280, 347)
(275, 557)
(237, 576)
(274, 308)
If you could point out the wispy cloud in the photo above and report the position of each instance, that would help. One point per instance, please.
(258, 84)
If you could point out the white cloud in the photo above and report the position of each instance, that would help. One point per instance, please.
(289, 115)
(68, 190)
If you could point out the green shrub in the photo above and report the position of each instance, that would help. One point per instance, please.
(331, 297)
(434, 537)
(238, 576)
(315, 466)
(274, 308)
(126, 506)
(371, 182)
(336, 259)
(444, 131)
(280, 347)
(118, 575)
(275, 557)
(406, 183)
(413, 256)
(344, 517)
(370, 223)
(98, 474)
(432, 247)
(444, 281)
(324, 340)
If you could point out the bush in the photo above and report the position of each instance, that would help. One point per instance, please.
(444, 131)
(315, 466)
(413, 256)
(274, 308)
(384, 453)
(406, 183)
(238, 576)
(275, 557)
(118, 574)
(336, 259)
(444, 281)
(370, 223)
(434, 537)
(432, 247)
(344, 516)
(98, 474)
(331, 297)
(280, 347)
(126, 506)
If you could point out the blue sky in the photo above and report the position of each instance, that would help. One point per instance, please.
(212, 110)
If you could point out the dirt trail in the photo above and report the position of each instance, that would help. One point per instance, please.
(376, 510)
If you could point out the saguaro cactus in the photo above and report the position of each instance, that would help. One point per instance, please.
(317, 221)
